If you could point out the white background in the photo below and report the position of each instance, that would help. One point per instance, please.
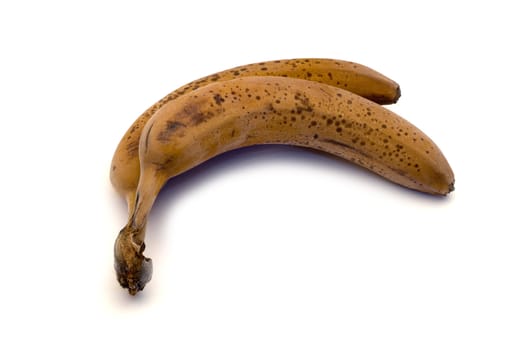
(273, 247)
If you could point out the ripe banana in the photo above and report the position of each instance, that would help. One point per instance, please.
(125, 167)
(227, 115)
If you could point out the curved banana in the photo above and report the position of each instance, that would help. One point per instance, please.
(125, 167)
(227, 115)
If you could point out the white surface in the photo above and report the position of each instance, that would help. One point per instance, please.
(269, 248)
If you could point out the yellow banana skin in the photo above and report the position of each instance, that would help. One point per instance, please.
(125, 167)
(227, 115)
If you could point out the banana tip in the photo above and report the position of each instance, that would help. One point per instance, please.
(451, 187)
(398, 94)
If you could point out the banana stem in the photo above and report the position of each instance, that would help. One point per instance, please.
(133, 269)
(150, 184)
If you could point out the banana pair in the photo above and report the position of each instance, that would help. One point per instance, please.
(323, 104)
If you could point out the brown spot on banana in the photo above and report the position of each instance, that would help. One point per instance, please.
(170, 127)
(346, 75)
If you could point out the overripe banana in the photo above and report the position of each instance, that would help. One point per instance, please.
(364, 81)
(227, 115)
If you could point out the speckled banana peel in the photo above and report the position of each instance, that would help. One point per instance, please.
(355, 77)
(231, 114)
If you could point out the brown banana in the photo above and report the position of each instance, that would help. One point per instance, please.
(227, 115)
(125, 167)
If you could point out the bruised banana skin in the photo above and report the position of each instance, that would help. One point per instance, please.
(272, 110)
(364, 81)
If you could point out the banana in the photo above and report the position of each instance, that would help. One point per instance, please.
(125, 167)
(236, 113)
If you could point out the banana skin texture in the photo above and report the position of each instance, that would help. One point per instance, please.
(362, 80)
(226, 115)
